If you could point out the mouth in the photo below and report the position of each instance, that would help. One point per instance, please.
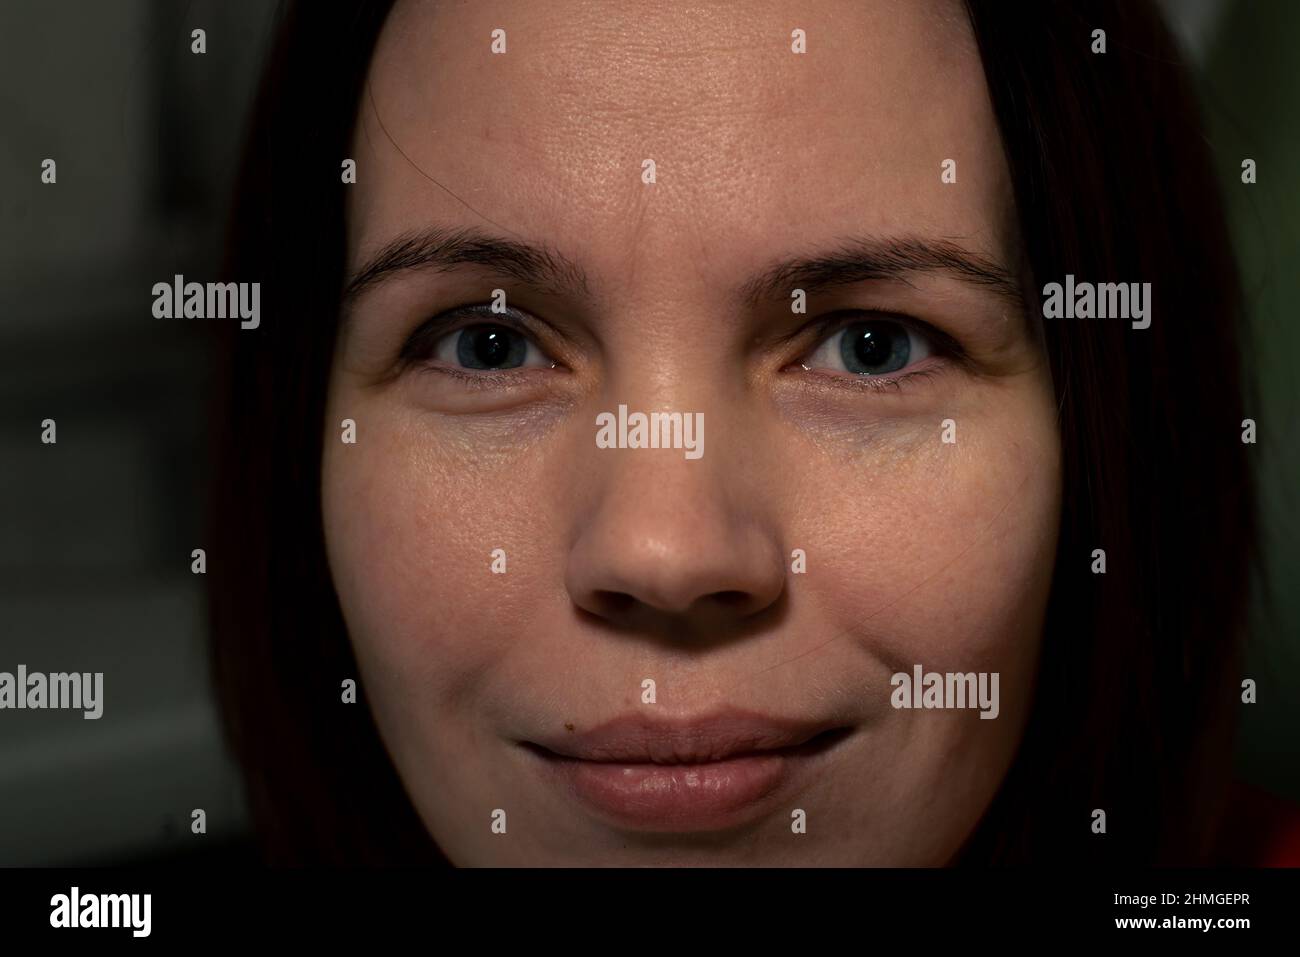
(706, 774)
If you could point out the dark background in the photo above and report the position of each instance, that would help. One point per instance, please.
(96, 531)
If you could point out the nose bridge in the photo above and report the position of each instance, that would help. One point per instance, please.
(663, 494)
(659, 500)
(659, 349)
(663, 473)
(668, 375)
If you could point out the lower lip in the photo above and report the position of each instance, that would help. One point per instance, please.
(682, 797)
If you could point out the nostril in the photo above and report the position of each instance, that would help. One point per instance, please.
(732, 599)
(620, 605)
(613, 603)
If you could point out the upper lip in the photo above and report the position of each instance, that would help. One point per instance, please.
(640, 739)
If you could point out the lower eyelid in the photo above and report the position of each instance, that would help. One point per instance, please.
(482, 376)
(927, 369)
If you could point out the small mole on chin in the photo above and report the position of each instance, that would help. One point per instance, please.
(568, 726)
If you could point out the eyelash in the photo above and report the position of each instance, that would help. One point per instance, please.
(417, 349)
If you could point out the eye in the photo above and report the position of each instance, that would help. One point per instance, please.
(489, 348)
(874, 347)
(497, 345)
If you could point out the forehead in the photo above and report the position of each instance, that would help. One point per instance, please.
(758, 150)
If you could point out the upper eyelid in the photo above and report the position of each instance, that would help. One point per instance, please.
(512, 315)
(524, 320)
(837, 321)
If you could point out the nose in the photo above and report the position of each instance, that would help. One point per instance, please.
(674, 546)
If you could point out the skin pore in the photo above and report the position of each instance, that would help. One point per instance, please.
(627, 564)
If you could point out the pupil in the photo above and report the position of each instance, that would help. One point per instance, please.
(490, 346)
(871, 348)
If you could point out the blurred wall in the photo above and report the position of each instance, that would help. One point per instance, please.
(96, 530)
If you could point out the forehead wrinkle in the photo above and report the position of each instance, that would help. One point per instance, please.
(729, 151)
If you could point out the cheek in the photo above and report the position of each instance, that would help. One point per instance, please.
(943, 558)
(940, 555)
(413, 526)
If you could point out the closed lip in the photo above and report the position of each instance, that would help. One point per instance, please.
(704, 774)
(642, 739)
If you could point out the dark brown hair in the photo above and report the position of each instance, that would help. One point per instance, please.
(1113, 182)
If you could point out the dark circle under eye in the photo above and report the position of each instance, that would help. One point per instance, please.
(491, 347)
(875, 348)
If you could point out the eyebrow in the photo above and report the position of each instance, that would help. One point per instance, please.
(850, 261)
(864, 258)
(443, 249)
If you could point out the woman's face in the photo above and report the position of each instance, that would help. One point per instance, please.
(582, 652)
